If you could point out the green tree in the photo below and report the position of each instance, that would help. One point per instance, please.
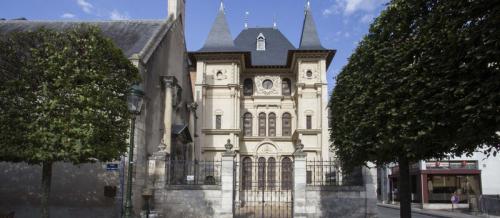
(62, 98)
(423, 83)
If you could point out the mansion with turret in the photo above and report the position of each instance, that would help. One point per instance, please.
(261, 92)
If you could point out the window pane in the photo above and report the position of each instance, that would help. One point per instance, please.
(286, 173)
(261, 172)
(287, 124)
(248, 87)
(247, 173)
(247, 124)
(262, 124)
(218, 121)
(309, 122)
(272, 124)
(271, 173)
(286, 87)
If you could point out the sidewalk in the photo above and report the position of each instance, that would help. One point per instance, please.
(436, 213)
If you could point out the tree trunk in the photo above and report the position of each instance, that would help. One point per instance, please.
(404, 188)
(46, 180)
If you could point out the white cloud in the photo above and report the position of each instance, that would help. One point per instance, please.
(85, 6)
(116, 15)
(348, 7)
(367, 18)
(352, 6)
(68, 16)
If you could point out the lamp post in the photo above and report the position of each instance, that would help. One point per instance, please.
(134, 102)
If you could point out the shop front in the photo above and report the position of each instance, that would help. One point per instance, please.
(433, 183)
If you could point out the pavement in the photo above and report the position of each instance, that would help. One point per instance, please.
(392, 211)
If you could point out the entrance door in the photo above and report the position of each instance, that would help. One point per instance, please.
(263, 187)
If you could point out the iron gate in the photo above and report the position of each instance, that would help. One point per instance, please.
(263, 187)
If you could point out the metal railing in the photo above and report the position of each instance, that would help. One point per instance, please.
(329, 173)
(181, 172)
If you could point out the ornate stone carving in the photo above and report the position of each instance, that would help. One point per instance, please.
(313, 74)
(276, 87)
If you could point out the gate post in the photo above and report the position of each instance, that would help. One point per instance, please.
(299, 182)
(227, 182)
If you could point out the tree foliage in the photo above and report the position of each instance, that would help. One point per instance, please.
(63, 96)
(423, 83)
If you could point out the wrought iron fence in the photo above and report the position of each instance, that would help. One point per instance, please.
(263, 187)
(490, 204)
(181, 172)
(329, 173)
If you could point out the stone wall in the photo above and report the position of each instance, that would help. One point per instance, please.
(76, 191)
(343, 201)
(338, 201)
(189, 201)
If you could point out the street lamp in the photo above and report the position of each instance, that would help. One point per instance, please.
(134, 102)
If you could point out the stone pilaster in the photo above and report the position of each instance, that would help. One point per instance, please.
(299, 186)
(169, 83)
(370, 180)
(158, 170)
(227, 182)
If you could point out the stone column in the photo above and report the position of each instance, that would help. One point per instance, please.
(227, 181)
(169, 83)
(299, 180)
(370, 179)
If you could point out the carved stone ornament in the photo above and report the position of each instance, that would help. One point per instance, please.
(313, 74)
(228, 145)
(299, 146)
(274, 90)
(220, 74)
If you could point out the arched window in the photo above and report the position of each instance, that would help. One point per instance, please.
(286, 173)
(271, 173)
(262, 173)
(272, 124)
(247, 124)
(286, 124)
(248, 87)
(261, 42)
(247, 173)
(262, 124)
(286, 86)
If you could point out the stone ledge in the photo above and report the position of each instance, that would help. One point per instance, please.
(336, 188)
(193, 187)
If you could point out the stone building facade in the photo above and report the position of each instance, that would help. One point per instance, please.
(261, 92)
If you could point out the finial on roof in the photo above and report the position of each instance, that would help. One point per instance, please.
(246, 19)
(221, 8)
(308, 5)
(275, 24)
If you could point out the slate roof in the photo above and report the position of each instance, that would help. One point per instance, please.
(131, 36)
(219, 39)
(309, 39)
(277, 46)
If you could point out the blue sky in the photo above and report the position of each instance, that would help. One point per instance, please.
(341, 23)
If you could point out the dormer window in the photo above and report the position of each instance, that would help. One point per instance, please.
(261, 42)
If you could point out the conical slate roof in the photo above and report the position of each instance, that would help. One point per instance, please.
(309, 39)
(219, 38)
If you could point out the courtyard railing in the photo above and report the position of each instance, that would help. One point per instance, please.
(329, 173)
(182, 172)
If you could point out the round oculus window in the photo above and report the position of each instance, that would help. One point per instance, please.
(267, 84)
(309, 73)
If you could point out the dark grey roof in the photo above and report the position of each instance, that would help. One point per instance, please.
(277, 46)
(130, 36)
(219, 38)
(183, 131)
(309, 39)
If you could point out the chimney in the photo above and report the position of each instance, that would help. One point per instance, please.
(176, 9)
